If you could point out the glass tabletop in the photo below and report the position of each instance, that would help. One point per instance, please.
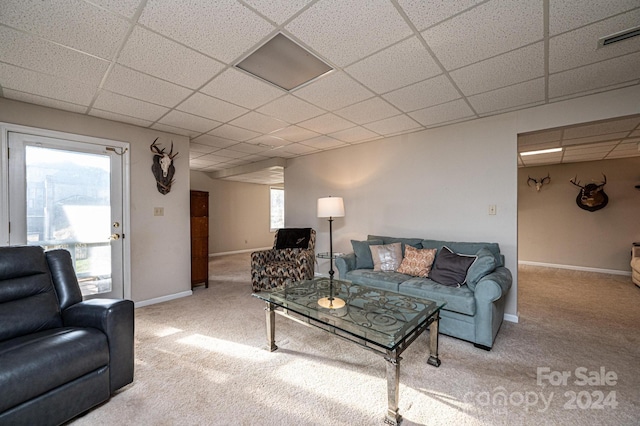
(384, 318)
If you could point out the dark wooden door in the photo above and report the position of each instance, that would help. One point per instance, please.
(199, 238)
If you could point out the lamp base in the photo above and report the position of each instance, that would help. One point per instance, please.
(331, 303)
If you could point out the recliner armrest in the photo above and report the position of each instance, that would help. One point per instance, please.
(115, 318)
(345, 263)
(495, 285)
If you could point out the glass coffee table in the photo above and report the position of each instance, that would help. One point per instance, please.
(382, 321)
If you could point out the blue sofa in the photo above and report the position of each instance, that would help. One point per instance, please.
(473, 312)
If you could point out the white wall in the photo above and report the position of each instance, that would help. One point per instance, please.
(436, 183)
(160, 258)
(552, 229)
(239, 214)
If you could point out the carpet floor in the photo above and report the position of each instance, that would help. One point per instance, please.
(573, 359)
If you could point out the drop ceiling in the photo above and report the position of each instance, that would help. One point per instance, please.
(399, 66)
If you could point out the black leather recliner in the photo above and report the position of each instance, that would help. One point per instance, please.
(59, 355)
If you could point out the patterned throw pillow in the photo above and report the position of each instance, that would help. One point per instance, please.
(387, 257)
(417, 263)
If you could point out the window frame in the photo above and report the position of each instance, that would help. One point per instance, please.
(271, 207)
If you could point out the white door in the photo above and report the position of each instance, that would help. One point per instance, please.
(68, 194)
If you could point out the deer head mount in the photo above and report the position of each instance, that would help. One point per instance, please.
(162, 167)
(539, 182)
(591, 196)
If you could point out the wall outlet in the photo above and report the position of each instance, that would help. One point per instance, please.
(158, 211)
(492, 209)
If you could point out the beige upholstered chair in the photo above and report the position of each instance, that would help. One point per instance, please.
(291, 259)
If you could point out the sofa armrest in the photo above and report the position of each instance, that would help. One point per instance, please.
(494, 285)
(345, 263)
(115, 319)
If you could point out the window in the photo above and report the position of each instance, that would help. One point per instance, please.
(277, 208)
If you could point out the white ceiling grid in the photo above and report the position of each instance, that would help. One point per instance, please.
(400, 66)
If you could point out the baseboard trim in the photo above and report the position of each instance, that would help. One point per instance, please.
(511, 318)
(225, 253)
(576, 268)
(163, 299)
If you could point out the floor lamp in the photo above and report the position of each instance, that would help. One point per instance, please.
(331, 207)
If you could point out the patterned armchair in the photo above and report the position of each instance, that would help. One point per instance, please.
(291, 259)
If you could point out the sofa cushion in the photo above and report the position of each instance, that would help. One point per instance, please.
(450, 268)
(382, 280)
(48, 359)
(386, 257)
(465, 248)
(26, 286)
(413, 242)
(459, 300)
(484, 264)
(417, 262)
(363, 253)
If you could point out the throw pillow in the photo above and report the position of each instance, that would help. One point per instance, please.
(363, 253)
(485, 264)
(293, 238)
(386, 258)
(417, 262)
(450, 268)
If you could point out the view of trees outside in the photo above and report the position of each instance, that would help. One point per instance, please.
(277, 208)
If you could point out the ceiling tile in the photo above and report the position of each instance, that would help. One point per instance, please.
(269, 140)
(635, 134)
(232, 132)
(158, 56)
(595, 76)
(333, 91)
(299, 149)
(424, 14)
(189, 121)
(40, 100)
(594, 148)
(607, 127)
(327, 123)
(290, 109)
(278, 10)
(397, 66)
(229, 153)
(554, 157)
(427, 93)
(223, 29)
(567, 15)
(48, 86)
(215, 109)
(368, 25)
(241, 89)
(213, 158)
(323, 142)
(626, 149)
(390, 126)
(579, 47)
(110, 115)
(443, 113)
(594, 138)
(354, 135)
(520, 24)
(214, 141)
(258, 122)
(247, 148)
(123, 7)
(73, 23)
(294, 134)
(113, 102)
(367, 111)
(519, 94)
(201, 149)
(174, 130)
(24, 50)
(144, 87)
(539, 137)
(504, 70)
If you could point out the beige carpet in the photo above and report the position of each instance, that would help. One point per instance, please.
(201, 361)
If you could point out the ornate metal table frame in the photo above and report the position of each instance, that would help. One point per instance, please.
(391, 353)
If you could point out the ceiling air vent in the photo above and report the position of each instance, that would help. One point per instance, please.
(620, 36)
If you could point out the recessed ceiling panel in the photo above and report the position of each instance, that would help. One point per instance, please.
(284, 63)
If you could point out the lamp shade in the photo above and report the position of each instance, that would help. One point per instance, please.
(330, 207)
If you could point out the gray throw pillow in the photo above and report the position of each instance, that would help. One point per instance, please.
(450, 269)
(363, 253)
(485, 264)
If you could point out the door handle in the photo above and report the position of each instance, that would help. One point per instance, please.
(114, 237)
